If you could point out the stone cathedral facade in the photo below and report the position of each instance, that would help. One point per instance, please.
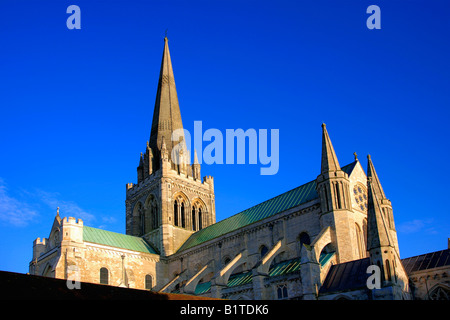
(316, 241)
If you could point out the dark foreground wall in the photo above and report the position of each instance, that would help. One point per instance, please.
(24, 286)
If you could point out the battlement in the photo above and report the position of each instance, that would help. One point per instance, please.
(72, 229)
(39, 242)
(208, 179)
(72, 220)
(39, 247)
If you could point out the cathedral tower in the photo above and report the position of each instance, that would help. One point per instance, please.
(382, 241)
(170, 201)
(333, 187)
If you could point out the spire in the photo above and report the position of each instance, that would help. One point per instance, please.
(166, 115)
(195, 157)
(329, 159)
(377, 226)
(372, 174)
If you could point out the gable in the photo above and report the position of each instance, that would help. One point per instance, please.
(358, 187)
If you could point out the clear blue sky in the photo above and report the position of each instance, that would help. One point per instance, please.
(77, 105)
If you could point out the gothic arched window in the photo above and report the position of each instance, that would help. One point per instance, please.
(194, 220)
(180, 212)
(263, 251)
(155, 221)
(304, 239)
(148, 282)
(138, 219)
(440, 293)
(200, 225)
(175, 213)
(282, 292)
(359, 240)
(183, 217)
(388, 270)
(198, 207)
(104, 276)
(226, 261)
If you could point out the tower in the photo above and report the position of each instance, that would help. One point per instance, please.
(382, 241)
(333, 187)
(385, 204)
(169, 201)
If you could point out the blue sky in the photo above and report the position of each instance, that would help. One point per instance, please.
(77, 105)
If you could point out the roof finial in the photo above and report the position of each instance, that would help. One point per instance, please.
(57, 212)
(356, 156)
(165, 34)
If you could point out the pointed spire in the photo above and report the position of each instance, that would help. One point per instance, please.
(377, 227)
(195, 157)
(166, 115)
(329, 159)
(372, 174)
(196, 167)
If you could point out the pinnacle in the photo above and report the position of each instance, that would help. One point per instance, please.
(329, 159)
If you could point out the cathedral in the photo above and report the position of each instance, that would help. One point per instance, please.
(330, 238)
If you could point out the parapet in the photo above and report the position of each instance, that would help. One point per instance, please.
(72, 220)
(72, 229)
(39, 242)
(208, 179)
(39, 247)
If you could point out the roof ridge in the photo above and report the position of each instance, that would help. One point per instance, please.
(255, 206)
(123, 235)
(265, 201)
(423, 254)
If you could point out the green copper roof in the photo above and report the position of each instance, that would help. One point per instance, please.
(202, 287)
(325, 257)
(263, 210)
(239, 279)
(117, 240)
(285, 267)
(283, 202)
